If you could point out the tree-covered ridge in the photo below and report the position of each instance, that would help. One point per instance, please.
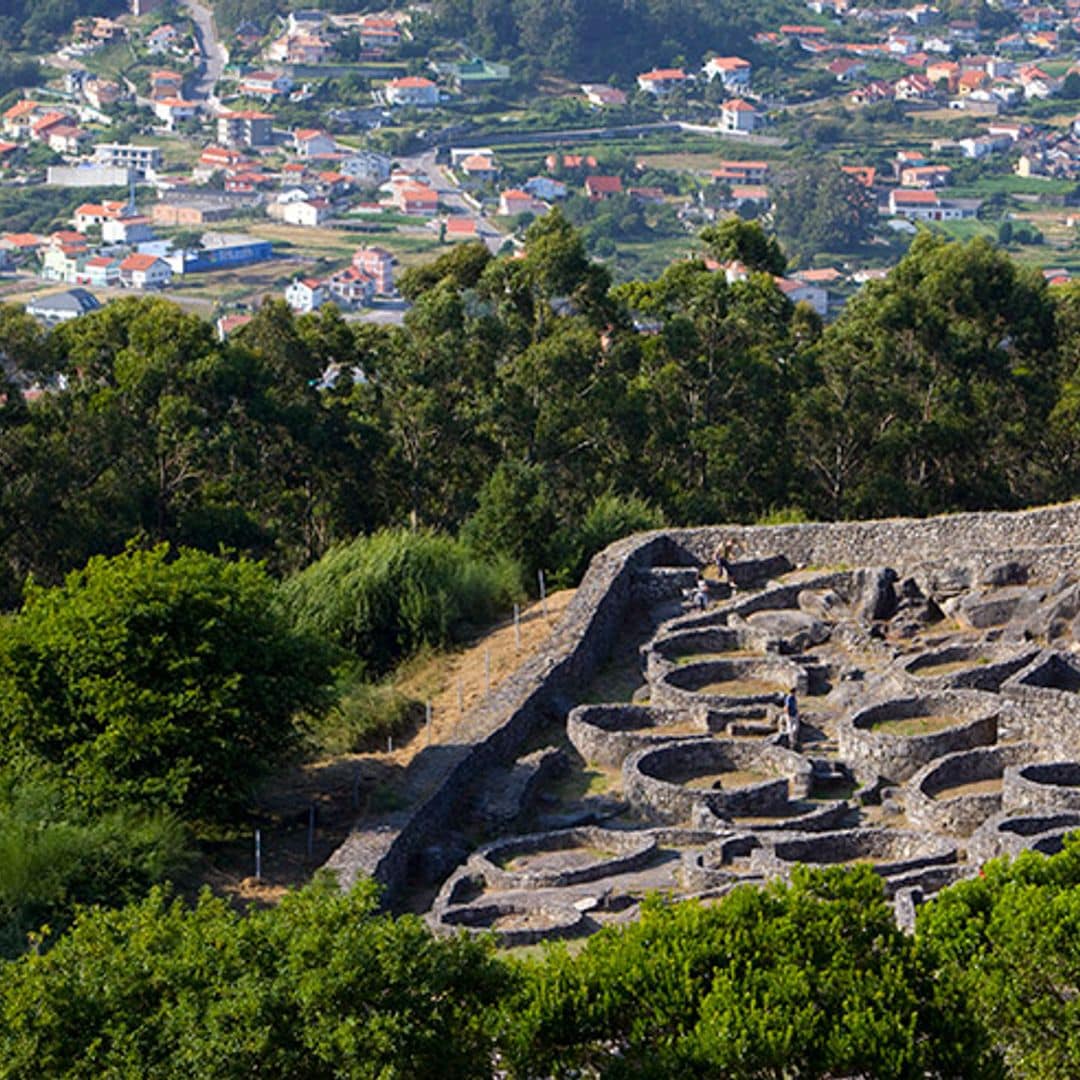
(523, 392)
(598, 38)
(35, 26)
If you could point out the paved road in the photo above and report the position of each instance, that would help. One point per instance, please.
(213, 54)
(452, 197)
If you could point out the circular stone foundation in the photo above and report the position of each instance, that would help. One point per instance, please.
(958, 792)
(972, 666)
(608, 734)
(1037, 789)
(723, 776)
(1009, 834)
(892, 853)
(894, 739)
(721, 683)
(565, 857)
(513, 922)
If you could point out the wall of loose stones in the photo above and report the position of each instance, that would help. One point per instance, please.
(546, 685)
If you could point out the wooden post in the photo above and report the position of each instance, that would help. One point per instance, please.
(258, 855)
(543, 592)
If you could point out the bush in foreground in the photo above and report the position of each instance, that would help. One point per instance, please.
(159, 680)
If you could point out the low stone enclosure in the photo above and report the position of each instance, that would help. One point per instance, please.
(936, 669)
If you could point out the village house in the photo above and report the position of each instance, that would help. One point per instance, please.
(459, 228)
(479, 169)
(925, 176)
(145, 272)
(378, 264)
(306, 295)
(929, 206)
(94, 215)
(162, 39)
(514, 201)
(558, 162)
(739, 116)
(366, 167)
(603, 96)
(414, 198)
(101, 271)
(173, 112)
(846, 70)
(131, 230)
(351, 288)
(412, 90)
(913, 87)
(246, 127)
(18, 119)
(599, 188)
(266, 85)
(62, 307)
(310, 142)
(661, 81)
(741, 172)
(101, 93)
(732, 71)
(865, 174)
(166, 84)
(43, 125)
(141, 159)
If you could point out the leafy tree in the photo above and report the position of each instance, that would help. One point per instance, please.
(168, 681)
(811, 979)
(746, 242)
(818, 207)
(320, 986)
(1007, 942)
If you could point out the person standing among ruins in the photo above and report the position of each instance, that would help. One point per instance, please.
(791, 716)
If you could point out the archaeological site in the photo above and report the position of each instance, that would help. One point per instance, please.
(934, 666)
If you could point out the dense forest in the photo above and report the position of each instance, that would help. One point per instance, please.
(602, 38)
(36, 26)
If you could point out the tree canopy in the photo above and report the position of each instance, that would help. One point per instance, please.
(156, 679)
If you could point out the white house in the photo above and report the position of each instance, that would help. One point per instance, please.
(661, 81)
(306, 294)
(310, 142)
(308, 212)
(174, 111)
(145, 272)
(732, 71)
(739, 115)
(412, 90)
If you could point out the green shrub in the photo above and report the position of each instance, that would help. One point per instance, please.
(363, 717)
(384, 596)
(610, 518)
(159, 680)
(54, 856)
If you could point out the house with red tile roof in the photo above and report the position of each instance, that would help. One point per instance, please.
(602, 187)
(412, 90)
(145, 272)
(661, 81)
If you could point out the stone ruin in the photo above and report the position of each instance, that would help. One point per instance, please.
(937, 672)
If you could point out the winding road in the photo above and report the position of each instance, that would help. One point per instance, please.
(213, 52)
